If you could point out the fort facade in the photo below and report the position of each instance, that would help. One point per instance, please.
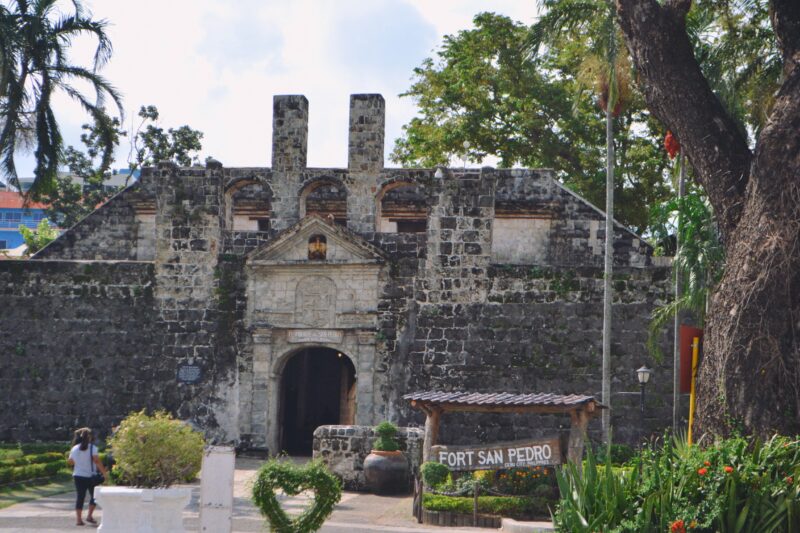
(261, 303)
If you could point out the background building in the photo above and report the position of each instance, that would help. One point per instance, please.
(13, 214)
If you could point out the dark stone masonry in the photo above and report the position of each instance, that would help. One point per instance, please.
(310, 297)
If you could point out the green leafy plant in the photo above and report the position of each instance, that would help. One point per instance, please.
(386, 441)
(293, 479)
(38, 239)
(595, 500)
(434, 474)
(732, 486)
(157, 450)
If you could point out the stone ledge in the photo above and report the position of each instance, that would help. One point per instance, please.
(344, 448)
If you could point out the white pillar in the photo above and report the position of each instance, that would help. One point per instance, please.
(216, 489)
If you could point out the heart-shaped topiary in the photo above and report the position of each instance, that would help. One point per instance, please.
(293, 480)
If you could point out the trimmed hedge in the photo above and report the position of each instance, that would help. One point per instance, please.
(509, 506)
(15, 474)
(40, 458)
(31, 448)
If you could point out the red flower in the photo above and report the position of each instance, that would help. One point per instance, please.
(728, 469)
(706, 463)
(702, 471)
(671, 145)
(677, 527)
(790, 480)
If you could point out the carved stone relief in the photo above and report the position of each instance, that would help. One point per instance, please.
(315, 303)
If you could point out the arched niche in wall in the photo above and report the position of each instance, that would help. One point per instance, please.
(248, 204)
(401, 208)
(326, 198)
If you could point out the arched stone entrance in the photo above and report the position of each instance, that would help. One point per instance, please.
(318, 387)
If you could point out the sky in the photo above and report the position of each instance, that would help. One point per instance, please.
(215, 65)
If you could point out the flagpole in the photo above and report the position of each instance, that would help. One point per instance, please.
(676, 346)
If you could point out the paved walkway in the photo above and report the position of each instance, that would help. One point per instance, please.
(355, 513)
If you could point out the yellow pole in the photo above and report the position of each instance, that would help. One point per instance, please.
(695, 353)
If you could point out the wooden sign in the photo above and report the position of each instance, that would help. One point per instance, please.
(501, 455)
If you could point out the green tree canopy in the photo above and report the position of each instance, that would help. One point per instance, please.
(72, 200)
(35, 36)
(533, 110)
(152, 144)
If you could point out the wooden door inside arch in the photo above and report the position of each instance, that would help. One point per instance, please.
(317, 388)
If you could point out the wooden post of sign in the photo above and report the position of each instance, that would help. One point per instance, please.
(577, 434)
(432, 418)
(475, 504)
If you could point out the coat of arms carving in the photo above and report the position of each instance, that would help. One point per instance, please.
(315, 301)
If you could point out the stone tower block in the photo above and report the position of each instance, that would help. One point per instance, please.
(460, 238)
(189, 222)
(364, 158)
(289, 132)
(367, 129)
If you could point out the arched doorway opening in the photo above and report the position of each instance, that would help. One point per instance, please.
(317, 388)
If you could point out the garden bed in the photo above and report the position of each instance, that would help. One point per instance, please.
(26, 462)
(517, 507)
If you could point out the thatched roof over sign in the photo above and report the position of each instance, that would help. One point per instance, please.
(502, 401)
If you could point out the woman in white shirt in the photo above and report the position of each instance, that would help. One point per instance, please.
(85, 460)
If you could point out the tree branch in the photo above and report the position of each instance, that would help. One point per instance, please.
(785, 17)
(679, 95)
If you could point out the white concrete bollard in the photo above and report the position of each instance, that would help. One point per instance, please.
(216, 489)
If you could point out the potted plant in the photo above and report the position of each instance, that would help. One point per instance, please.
(386, 467)
(152, 453)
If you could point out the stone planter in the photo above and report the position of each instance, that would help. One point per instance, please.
(132, 510)
(386, 472)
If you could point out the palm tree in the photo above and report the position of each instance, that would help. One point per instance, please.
(34, 38)
(595, 22)
(698, 262)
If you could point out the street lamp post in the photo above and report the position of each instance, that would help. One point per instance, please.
(643, 374)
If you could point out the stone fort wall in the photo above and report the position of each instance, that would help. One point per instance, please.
(76, 345)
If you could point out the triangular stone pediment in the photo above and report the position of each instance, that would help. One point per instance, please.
(342, 245)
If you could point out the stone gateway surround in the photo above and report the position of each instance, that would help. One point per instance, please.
(262, 303)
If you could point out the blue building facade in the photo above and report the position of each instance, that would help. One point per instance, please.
(13, 214)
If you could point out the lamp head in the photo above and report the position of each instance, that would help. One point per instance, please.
(643, 374)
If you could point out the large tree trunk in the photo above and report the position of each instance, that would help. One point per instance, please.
(750, 375)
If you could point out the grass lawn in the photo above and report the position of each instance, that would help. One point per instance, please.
(22, 492)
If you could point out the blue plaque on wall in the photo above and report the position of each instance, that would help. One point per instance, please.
(189, 373)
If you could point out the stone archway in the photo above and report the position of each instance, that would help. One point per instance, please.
(317, 387)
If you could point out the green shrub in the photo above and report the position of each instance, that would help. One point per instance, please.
(434, 474)
(31, 448)
(16, 474)
(508, 506)
(620, 454)
(292, 479)
(386, 441)
(17, 449)
(156, 451)
(50, 457)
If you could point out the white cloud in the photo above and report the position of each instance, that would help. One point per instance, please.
(215, 65)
